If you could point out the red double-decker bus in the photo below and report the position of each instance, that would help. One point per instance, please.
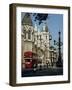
(30, 59)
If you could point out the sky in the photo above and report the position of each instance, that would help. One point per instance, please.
(54, 23)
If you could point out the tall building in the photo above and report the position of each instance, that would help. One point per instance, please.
(26, 36)
(42, 43)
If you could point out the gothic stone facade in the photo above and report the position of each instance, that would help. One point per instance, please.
(36, 41)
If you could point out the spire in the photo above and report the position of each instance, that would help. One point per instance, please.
(35, 27)
(27, 19)
(46, 28)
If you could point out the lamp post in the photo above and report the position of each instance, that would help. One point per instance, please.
(59, 44)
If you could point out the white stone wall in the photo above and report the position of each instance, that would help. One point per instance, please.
(42, 44)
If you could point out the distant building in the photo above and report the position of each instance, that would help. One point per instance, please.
(36, 41)
(53, 56)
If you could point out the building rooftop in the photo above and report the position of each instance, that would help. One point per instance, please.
(27, 20)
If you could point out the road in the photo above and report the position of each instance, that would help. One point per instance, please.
(42, 72)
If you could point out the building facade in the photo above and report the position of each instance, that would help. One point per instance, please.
(36, 41)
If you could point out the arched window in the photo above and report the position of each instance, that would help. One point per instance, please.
(29, 34)
(24, 32)
(46, 37)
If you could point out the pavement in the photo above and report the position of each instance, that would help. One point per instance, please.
(42, 72)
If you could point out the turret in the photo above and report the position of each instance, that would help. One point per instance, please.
(45, 28)
(27, 19)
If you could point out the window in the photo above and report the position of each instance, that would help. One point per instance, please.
(46, 37)
(24, 32)
(29, 34)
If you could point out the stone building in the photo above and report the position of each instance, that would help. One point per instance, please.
(53, 56)
(42, 44)
(26, 35)
(36, 41)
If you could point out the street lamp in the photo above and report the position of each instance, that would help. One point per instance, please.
(59, 44)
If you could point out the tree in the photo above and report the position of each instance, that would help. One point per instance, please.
(40, 17)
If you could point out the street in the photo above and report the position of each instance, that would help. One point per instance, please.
(42, 72)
